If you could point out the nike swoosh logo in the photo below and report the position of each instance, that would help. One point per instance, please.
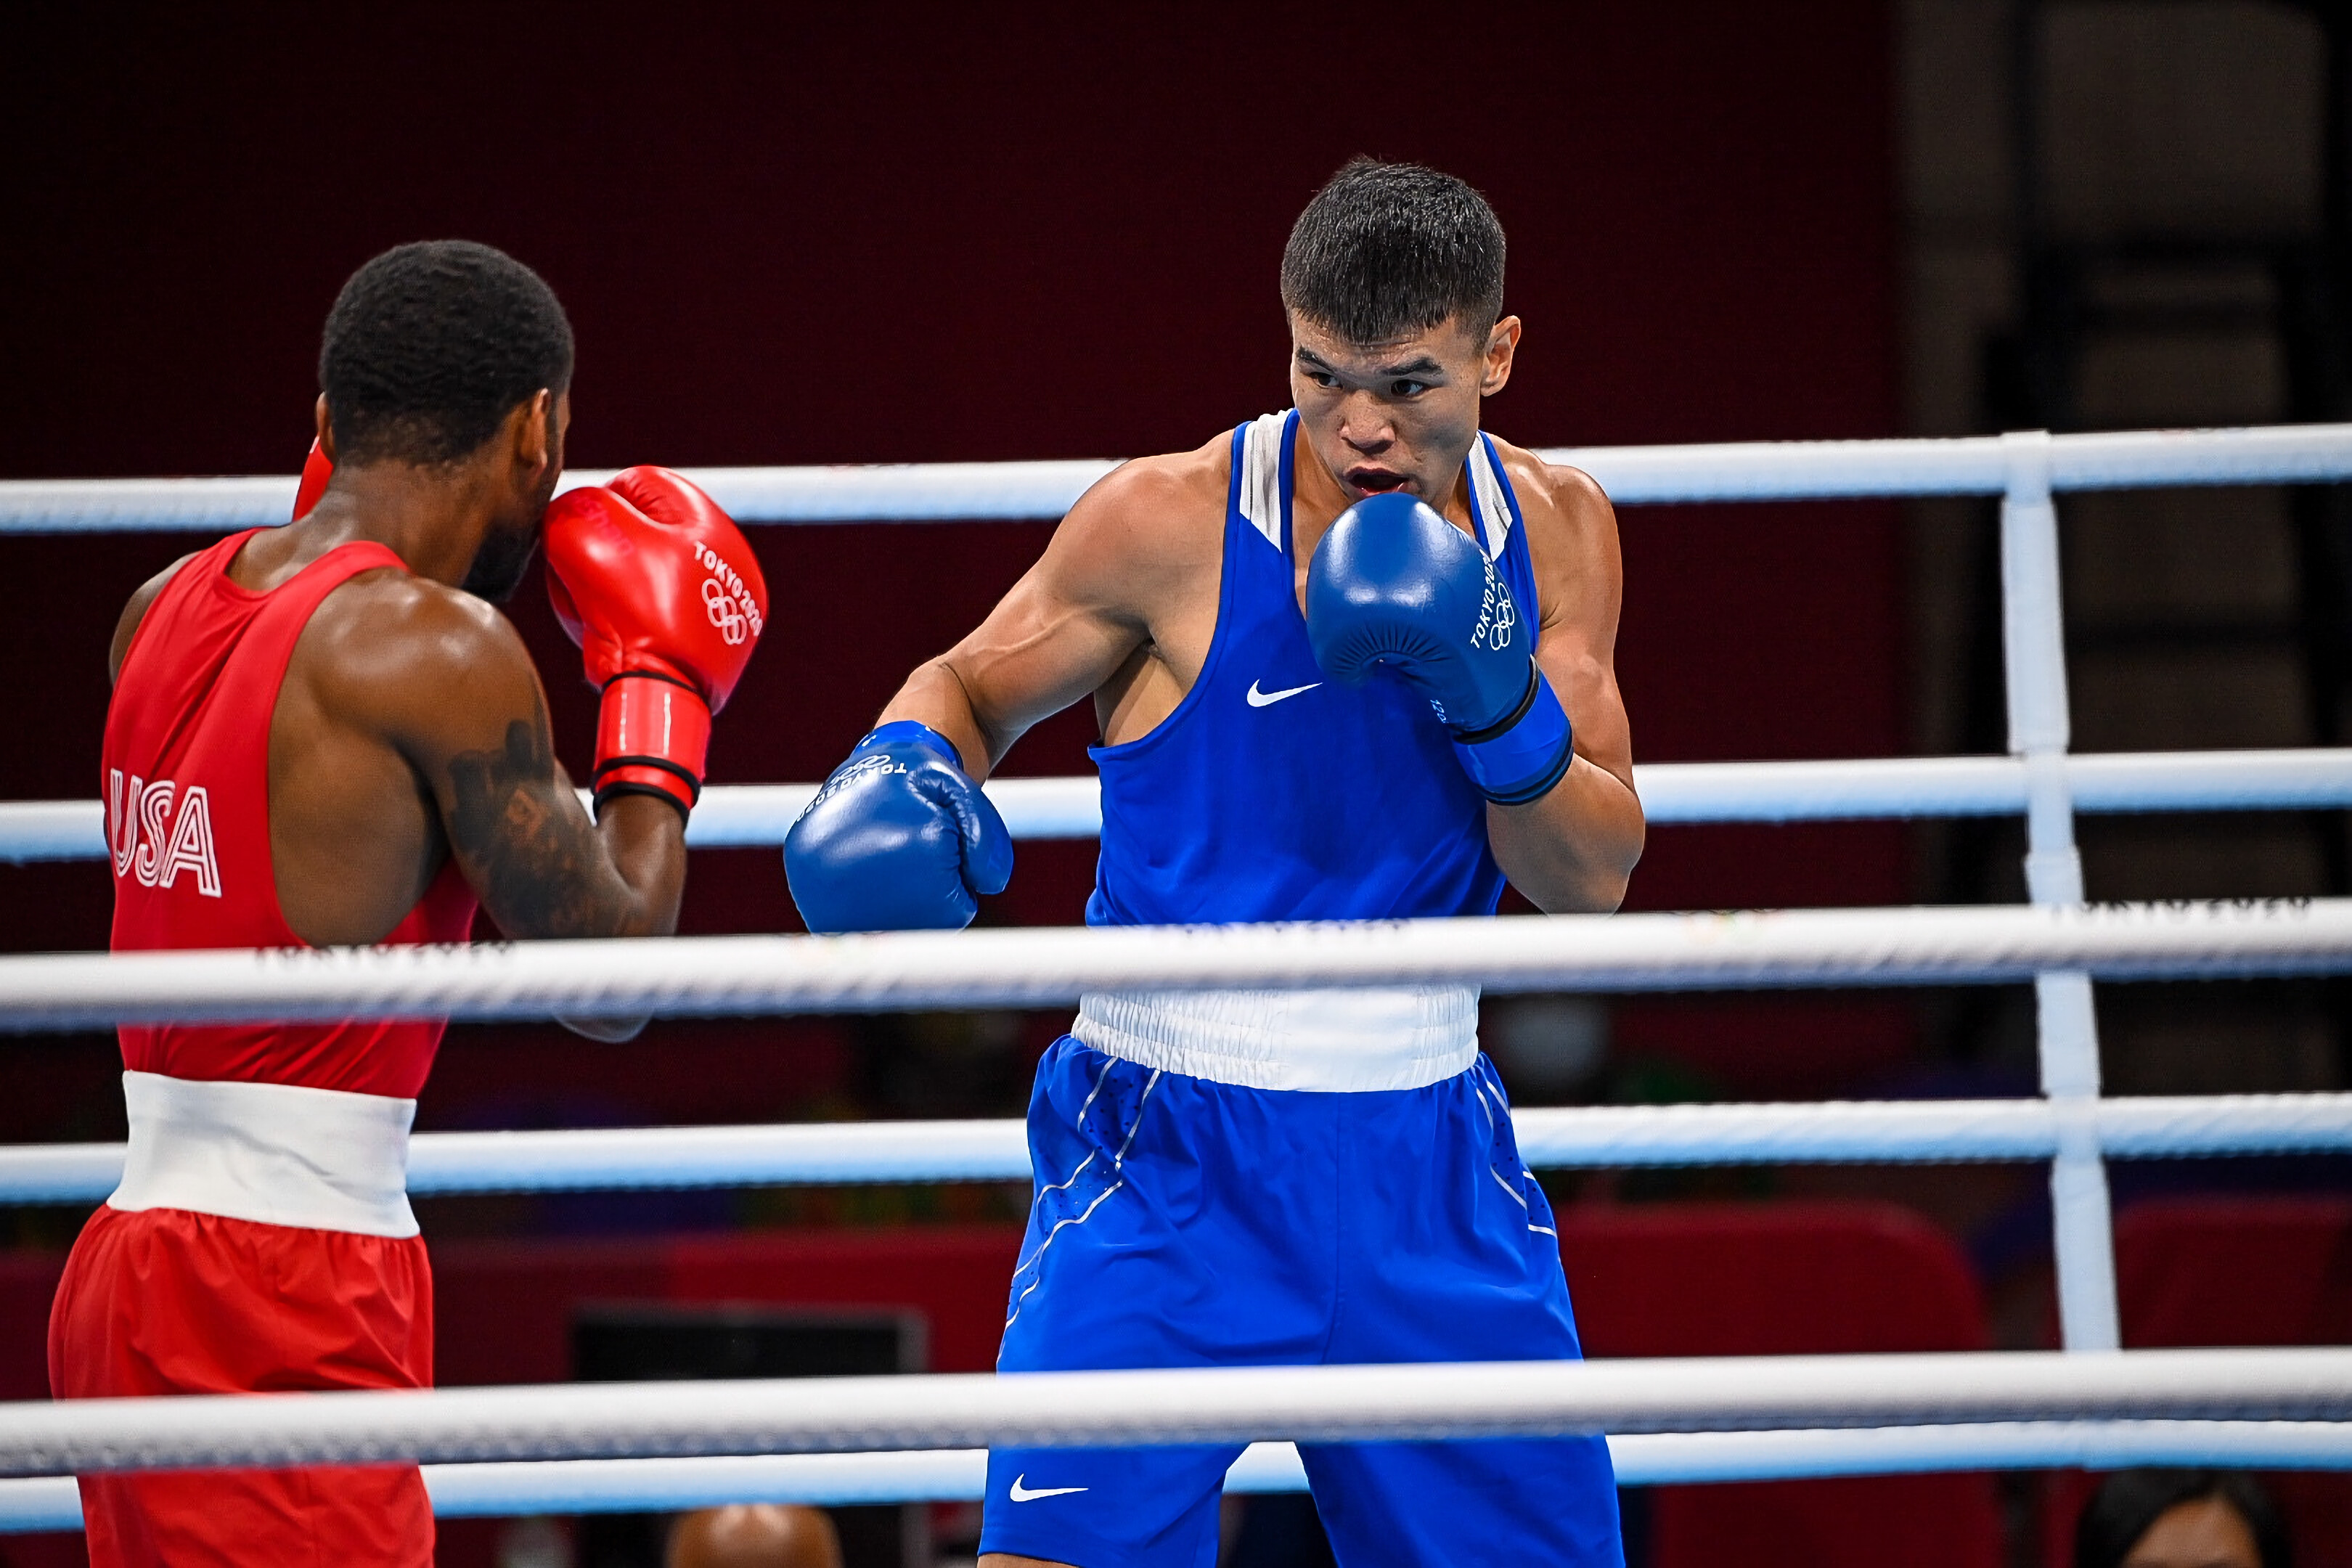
(1023, 1494)
(1266, 699)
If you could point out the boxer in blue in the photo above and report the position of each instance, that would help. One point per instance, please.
(1349, 662)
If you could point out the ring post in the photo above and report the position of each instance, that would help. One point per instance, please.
(2033, 644)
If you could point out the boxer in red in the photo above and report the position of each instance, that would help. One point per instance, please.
(324, 734)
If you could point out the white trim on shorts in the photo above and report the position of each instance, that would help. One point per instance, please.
(1339, 1040)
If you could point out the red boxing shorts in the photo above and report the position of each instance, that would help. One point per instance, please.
(165, 1301)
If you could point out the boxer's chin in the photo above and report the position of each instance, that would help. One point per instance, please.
(500, 564)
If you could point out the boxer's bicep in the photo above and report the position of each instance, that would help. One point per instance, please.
(1580, 579)
(521, 835)
(1574, 849)
(1040, 649)
(462, 702)
(1067, 626)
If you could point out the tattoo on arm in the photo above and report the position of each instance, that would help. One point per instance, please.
(530, 850)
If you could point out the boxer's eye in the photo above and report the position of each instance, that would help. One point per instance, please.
(1322, 378)
(1407, 388)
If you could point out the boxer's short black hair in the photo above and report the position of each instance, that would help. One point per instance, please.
(1386, 250)
(431, 345)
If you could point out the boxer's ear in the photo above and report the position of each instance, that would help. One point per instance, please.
(1494, 364)
(559, 425)
(326, 429)
(534, 443)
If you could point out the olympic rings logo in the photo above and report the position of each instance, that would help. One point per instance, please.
(1506, 617)
(1499, 613)
(725, 614)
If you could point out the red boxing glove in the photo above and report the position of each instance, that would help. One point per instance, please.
(662, 593)
(316, 472)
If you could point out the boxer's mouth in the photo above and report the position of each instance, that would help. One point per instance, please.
(1377, 481)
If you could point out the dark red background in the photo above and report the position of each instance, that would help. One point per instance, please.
(911, 234)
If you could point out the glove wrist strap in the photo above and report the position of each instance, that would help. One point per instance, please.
(900, 732)
(652, 735)
(1521, 758)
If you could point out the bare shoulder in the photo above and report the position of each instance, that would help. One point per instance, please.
(1572, 538)
(408, 654)
(1154, 504)
(126, 626)
(1568, 499)
(1144, 523)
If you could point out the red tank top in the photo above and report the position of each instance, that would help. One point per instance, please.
(185, 777)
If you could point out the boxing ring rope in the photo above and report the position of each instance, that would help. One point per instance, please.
(1042, 966)
(499, 1489)
(1583, 1137)
(735, 816)
(913, 493)
(2135, 1407)
(1431, 1402)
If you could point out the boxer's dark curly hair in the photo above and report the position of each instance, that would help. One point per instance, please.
(431, 345)
(1386, 250)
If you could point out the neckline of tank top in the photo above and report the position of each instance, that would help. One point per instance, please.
(221, 579)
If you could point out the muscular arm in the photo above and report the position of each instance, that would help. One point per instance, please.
(1084, 617)
(1573, 850)
(445, 679)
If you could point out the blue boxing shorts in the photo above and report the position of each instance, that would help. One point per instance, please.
(1183, 1222)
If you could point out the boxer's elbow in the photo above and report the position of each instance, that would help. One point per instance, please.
(1630, 834)
(1602, 891)
(1574, 851)
(1583, 889)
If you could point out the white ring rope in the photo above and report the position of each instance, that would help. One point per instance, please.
(749, 816)
(1927, 1131)
(1968, 464)
(1044, 966)
(1755, 470)
(1306, 1404)
(1991, 786)
(960, 1475)
(1583, 1137)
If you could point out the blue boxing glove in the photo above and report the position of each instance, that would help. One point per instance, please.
(900, 838)
(1394, 583)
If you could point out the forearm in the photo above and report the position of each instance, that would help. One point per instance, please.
(937, 696)
(1572, 851)
(541, 868)
(645, 841)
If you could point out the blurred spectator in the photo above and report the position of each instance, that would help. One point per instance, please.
(2181, 1519)
(754, 1535)
(1551, 1049)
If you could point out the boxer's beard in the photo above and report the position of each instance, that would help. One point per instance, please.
(507, 549)
(499, 563)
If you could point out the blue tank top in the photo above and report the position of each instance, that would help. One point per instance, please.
(1274, 794)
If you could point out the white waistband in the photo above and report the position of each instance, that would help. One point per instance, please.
(320, 1158)
(1347, 1039)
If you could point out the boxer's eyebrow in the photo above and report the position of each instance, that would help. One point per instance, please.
(1421, 366)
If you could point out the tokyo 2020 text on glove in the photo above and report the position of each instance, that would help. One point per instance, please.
(900, 838)
(662, 593)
